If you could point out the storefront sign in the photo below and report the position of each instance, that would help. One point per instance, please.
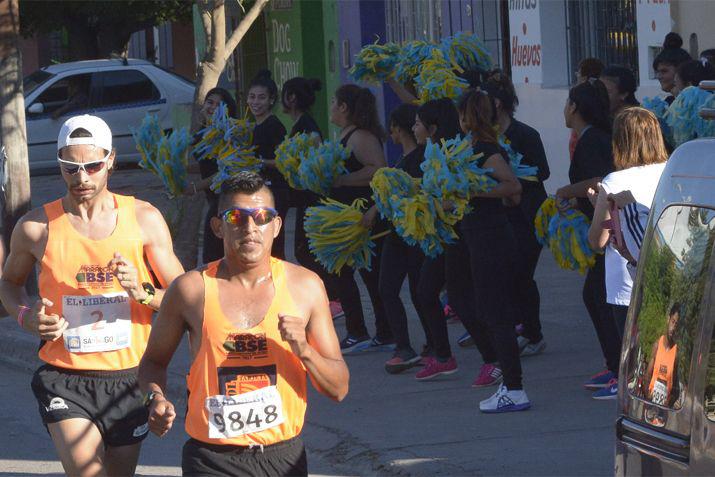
(525, 31)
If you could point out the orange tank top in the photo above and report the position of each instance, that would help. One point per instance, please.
(245, 386)
(108, 331)
(661, 383)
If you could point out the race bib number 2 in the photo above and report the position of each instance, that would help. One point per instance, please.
(247, 413)
(97, 322)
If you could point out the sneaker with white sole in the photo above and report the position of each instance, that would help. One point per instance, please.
(465, 341)
(505, 401)
(350, 344)
(378, 344)
(402, 360)
(609, 392)
(336, 309)
(532, 349)
(600, 380)
(489, 375)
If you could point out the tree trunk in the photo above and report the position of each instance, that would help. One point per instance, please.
(12, 121)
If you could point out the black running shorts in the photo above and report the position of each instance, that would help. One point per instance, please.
(110, 399)
(281, 459)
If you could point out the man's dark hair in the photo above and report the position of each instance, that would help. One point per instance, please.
(674, 308)
(245, 182)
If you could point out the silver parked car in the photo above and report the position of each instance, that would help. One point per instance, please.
(120, 92)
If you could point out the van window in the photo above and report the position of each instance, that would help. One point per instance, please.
(677, 267)
(709, 401)
(126, 86)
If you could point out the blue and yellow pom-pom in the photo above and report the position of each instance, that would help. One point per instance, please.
(411, 211)
(291, 152)
(437, 79)
(165, 156)
(336, 236)
(658, 106)
(467, 51)
(522, 171)
(321, 166)
(706, 128)
(683, 114)
(375, 63)
(566, 235)
(412, 55)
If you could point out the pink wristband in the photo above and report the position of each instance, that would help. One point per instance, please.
(21, 314)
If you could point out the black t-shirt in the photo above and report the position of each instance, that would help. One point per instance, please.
(305, 124)
(410, 163)
(592, 157)
(207, 168)
(527, 141)
(267, 136)
(486, 211)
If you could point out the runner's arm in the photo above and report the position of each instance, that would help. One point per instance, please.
(315, 342)
(18, 266)
(159, 249)
(168, 329)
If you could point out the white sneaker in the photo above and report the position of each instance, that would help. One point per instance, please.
(505, 401)
(532, 349)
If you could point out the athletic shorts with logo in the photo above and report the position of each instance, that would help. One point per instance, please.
(110, 399)
(281, 459)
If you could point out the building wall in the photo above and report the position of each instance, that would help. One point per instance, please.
(694, 17)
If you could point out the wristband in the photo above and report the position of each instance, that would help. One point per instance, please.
(21, 315)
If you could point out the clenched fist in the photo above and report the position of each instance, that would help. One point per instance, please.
(161, 415)
(292, 330)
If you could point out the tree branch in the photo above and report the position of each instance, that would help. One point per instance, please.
(218, 31)
(243, 27)
(206, 22)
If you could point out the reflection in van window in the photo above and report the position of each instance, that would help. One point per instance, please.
(673, 282)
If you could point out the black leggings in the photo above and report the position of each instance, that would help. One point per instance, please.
(480, 277)
(431, 281)
(601, 313)
(526, 298)
(399, 260)
(349, 294)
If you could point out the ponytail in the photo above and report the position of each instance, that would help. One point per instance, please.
(592, 103)
(304, 91)
(478, 114)
(362, 108)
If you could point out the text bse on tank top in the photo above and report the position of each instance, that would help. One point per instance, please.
(108, 331)
(245, 385)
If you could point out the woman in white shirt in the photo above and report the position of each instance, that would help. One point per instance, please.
(639, 157)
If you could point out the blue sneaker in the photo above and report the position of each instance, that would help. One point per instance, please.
(465, 341)
(378, 344)
(609, 392)
(599, 380)
(351, 344)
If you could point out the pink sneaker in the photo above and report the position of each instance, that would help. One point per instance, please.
(489, 375)
(434, 368)
(336, 310)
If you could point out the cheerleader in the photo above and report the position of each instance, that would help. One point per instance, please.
(587, 111)
(268, 133)
(353, 109)
(526, 141)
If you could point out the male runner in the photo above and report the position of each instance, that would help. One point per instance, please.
(95, 305)
(256, 325)
(661, 376)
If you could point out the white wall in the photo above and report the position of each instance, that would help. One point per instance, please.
(653, 20)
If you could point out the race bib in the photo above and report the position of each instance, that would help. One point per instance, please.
(247, 413)
(97, 322)
(660, 393)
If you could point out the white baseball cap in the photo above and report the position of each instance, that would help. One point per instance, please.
(101, 134)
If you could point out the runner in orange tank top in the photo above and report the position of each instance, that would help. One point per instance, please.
(661, 375)
(257, 326)
(95, 306)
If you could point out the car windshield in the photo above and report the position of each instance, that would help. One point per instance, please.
(31, 82)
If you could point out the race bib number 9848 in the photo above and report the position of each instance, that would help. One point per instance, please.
(247, 413)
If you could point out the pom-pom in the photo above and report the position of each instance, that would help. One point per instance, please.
(375, 63)
(222, 133)
(706, 128)
(321, 166)
(467, 51)
(167, 157)
(658, 106)
(451, 174)
(522, 171)
(291, 152)
(412, 212)
(337, 237)
(683, 115)
(566, 236)
(411, 58)
(437, 79)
